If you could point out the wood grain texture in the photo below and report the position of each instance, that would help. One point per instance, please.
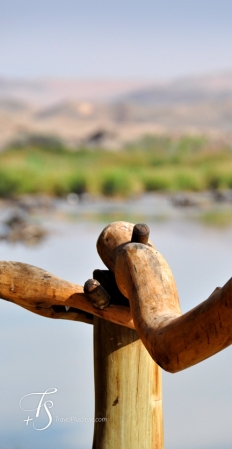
(47, 295)
(127, 391)
(112, 238)
(174, 341)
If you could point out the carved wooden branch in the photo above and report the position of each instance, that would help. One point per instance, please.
(174, 341)
(47, 295)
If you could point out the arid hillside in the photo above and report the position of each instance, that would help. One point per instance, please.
(110, 113)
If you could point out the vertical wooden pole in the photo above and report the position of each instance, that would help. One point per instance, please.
(127, 391)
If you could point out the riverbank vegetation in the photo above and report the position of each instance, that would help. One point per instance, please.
(152, 164)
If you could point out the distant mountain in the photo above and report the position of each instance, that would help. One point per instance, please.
(192, 90)
(45, 92)
(12, 105)
(76, 110)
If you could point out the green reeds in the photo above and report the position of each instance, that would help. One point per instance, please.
(152, 164)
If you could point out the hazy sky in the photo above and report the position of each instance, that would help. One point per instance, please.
(146, 39)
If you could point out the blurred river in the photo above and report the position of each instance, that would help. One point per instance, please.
(38, 353)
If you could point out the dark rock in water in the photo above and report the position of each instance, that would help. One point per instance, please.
(17, 227)
(27, 233)
(221, 196)
(183, 200)
(16, 218)
(31, 203)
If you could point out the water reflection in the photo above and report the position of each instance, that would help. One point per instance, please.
(210, 208)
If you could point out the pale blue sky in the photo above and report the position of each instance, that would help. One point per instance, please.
(145, 39)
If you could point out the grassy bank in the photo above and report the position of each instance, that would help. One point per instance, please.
(153, 164)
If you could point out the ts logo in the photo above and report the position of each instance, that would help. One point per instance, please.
(41, 405)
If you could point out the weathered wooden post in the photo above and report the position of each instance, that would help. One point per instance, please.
(128, 389)
(143, 312)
